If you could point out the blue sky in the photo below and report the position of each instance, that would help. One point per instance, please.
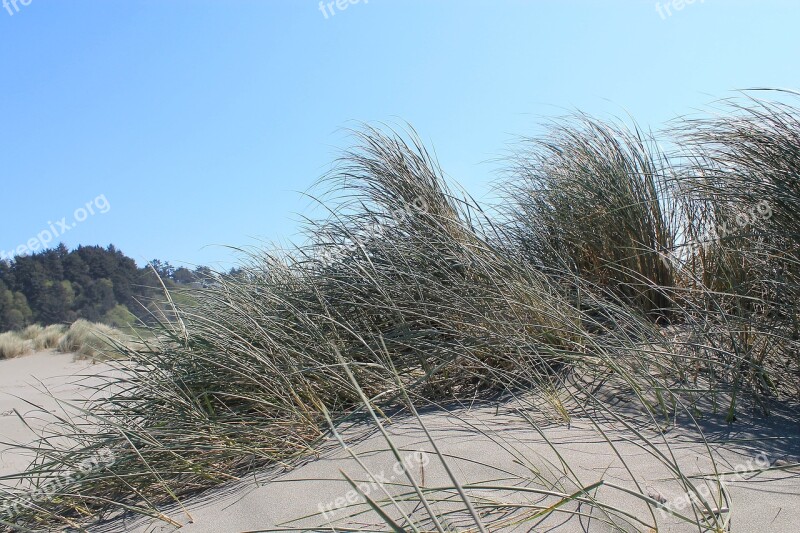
(201, 123)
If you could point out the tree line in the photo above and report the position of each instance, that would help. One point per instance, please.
(59, 286)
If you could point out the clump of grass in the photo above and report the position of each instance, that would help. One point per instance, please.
(14, 345)
(743, 167)
(86, 340)
(31, 332)
(49, 337)
(596, 199)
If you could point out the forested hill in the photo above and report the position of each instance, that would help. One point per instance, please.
(58, 286)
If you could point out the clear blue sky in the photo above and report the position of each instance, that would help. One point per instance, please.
(201, 122)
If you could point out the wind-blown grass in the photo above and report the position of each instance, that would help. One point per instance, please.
(744, 171)
(409, 294)
(597, 199)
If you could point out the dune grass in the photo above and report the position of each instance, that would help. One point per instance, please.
(14, 345)
(410, 295)
(49, 337)
(31, 332)
(83, 338)
(598, 199)
(89, 340)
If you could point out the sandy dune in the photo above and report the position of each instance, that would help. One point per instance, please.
(309, 496)
(24, 382)
(492, 445)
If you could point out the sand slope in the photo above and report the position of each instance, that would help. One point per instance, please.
(515, 454)
(25, 381)
(489, 444)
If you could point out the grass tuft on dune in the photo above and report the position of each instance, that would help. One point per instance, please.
(83, 338)
(14, 345)
(87, 340)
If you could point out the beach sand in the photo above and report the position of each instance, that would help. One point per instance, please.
(768, 502)
(24, 383)
(489, 444)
